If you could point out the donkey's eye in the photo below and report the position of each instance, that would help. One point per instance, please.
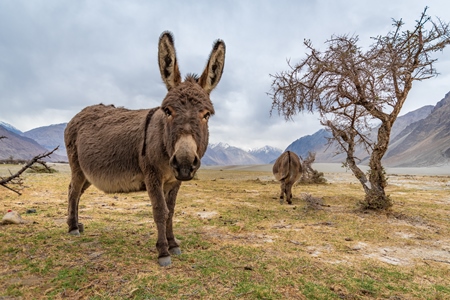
(206, 116)
(167, 111)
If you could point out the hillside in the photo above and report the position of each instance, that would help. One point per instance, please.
(49, 137)
(16, 146)
(317, 142)
(425, 142)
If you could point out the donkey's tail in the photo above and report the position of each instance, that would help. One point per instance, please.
(285, 166)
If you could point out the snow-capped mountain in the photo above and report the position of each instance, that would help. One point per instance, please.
(11, 128)
(224, 154)
(219, 145)
(266, 154)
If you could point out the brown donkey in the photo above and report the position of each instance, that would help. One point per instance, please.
(287, 169)
(120, 150)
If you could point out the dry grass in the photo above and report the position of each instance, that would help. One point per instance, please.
(237, 241)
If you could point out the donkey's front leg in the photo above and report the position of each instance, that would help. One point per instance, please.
(171, 197)
(160, 216)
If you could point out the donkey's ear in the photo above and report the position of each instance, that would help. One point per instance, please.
(167, 60)
(213, 71)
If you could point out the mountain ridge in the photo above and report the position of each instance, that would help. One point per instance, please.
(423, 124)
(418, 138)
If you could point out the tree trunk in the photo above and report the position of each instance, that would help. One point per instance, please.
(351, 163)
(358, 173)
(376, 197)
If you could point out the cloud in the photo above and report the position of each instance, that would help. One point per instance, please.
(58, 56)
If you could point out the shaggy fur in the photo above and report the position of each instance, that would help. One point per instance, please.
(287, 169)
(122, 150)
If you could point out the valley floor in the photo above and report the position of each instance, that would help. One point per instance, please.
(337, 168)
(238, 241)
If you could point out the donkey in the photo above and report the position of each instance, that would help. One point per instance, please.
(121, 150)
(287, 169)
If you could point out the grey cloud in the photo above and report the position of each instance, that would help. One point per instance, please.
(59, 56)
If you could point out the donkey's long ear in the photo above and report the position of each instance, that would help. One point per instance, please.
(167, 60)
(213, 71)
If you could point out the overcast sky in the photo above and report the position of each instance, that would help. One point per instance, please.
(57, 57)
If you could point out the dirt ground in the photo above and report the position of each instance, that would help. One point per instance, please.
(421, 179)
(225, 203)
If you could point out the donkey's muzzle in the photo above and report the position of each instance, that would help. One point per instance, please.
(185, 161)
(184, 169)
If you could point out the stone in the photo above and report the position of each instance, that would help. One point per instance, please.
(12, 217)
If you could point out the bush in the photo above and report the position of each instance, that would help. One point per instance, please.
(41, 169)
(313, 177)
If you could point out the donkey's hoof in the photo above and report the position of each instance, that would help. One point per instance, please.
(164, 261)
(175, 251)
(74, 232)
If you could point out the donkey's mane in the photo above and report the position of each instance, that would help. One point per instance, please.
(147, 121)
(191, 77)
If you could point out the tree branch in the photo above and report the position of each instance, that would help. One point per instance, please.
(36, 159)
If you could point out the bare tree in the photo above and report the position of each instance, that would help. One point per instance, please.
(16, 180)
(309, 175)
(307, 164)
(351, 89)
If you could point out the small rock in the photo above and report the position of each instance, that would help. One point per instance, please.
(31, 211)
(12, 217)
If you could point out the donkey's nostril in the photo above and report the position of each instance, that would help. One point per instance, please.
(196, 163)
(173, 162)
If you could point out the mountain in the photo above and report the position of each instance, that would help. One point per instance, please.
(49, 137)
(310, 143)
(42, 139)
(425, 142)
(16, 146)
(418, 138)
(224, 154)
(317, 142)
(404, 121)
(266, 154)
(11, 128)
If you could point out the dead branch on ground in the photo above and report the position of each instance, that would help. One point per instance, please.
(15, 179)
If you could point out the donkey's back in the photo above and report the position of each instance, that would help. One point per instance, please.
(104, 142)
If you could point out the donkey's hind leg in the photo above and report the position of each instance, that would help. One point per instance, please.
(77, 187)
(289, 192)
(282, 192)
